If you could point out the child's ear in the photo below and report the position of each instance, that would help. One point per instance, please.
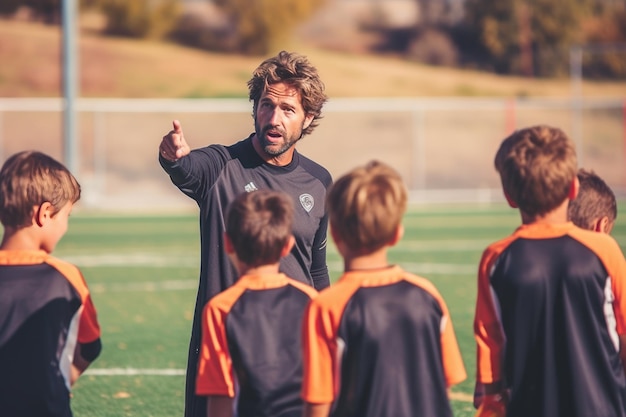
(573, 188)
(397, 235)
(228, 245)
(288, 246)
(334, 235)
(602, 225)
(42, 213)
(509, 200)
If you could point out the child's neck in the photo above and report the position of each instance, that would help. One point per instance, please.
(556, 216)
(19, 240)
(374, 260)
(258, 270)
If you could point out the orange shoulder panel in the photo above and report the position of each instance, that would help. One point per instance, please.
(487, 327)
(320, 346)
(451, 358)
(215, 371)
(611, 256)
(89, 328)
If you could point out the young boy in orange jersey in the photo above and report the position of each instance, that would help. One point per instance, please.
(49, 331)
(595, 206)
(251, 346)
(550, 317)
(379, 342)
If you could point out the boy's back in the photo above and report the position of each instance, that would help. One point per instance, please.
(42, 301)
(380, 342)
(251, 346)
(256, 325)
(551, 305)
(384, 329)
(551, 291)
(49, 332)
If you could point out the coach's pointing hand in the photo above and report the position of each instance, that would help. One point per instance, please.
(173, 146)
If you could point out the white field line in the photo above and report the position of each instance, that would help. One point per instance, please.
(145, 286)
(136, 259)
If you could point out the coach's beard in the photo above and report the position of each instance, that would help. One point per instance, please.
(270, 148)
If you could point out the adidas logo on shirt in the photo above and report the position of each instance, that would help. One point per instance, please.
(250, 187)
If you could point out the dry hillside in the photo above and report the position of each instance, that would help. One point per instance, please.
(109, 67)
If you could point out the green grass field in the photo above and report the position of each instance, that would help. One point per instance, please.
(143, 271)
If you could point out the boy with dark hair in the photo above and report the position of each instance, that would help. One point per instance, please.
(550, 317)
(380, 342)
(49, 331)
(251, 345)
(595, 206)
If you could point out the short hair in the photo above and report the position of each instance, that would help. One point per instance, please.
(259, 225)
(595, 200)
(366, 206)
(537, 166)
(29, 179)
(296, 71)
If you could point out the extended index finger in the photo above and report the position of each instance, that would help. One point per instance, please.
(177, 127)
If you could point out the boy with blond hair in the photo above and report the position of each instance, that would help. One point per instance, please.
(49, 331)
(251, 346)
(595, 206)
(550, 317)
(379, 342)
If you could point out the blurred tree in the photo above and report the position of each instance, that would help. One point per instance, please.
(138, 18)
(260, 25)
(431, 41)
(605, 41)
(530, 37)
(48, 11)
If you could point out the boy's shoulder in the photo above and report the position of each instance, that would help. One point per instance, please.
(227, 298)
(602, 244)
(349, 283)
(305, 288)
(22, 257)
(35, 257)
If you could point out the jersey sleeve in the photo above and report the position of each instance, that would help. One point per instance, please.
(319, 268)
(196, 173)
(215, 373)
(616, 266)
(451, 359)
(453, 366)
(89, 327)
(320, 356)
(487, 327)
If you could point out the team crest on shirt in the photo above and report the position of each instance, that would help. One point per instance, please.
(307, 202)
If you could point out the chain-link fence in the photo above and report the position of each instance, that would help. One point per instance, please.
(443, 148)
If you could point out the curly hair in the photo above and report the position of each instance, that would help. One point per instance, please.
(537, 166)
(296, 71)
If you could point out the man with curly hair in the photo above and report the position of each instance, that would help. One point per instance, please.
(287, 95)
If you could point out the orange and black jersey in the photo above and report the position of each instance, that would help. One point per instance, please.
(551, 306)
(380, 343)
(45, 310)
(251, 346)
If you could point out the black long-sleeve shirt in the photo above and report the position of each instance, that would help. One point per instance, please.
(213, 176)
